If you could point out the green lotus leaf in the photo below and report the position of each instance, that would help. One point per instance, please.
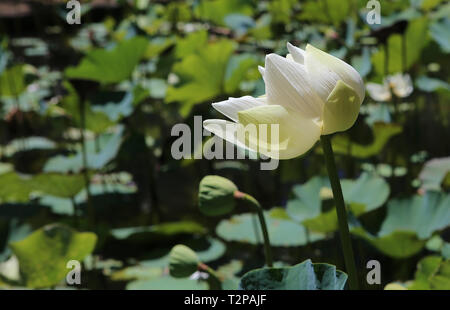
(362, 195)
(422, 215)
(416, 38)
(165, 229)
(12, 81)
(433, 273)
(304, 276)
(282, 232)
(43, 255)
(108, 144)
(110, 66)
(434, 172)
(398, 244)
(217, 10)
(201, 75)
(382, 133)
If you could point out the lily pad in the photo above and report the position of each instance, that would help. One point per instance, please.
(398, 244)
(422, 215)
(43, 255)
(109, 145)
(304, 276)
(164, 229)
(433, 273)
(110, 66)
(202, 75)
(282, 232)
(382, 133)
(409, 223)
(365, 194)
(434, 172)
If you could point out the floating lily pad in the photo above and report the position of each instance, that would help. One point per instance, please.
(43, 255)
(422, 215)
(434, 172)
(282, 232)
(409, 223)
(165, 229)
(398, 244)
(365, 194)
(109, 147)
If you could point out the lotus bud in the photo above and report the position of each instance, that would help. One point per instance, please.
(216, 195)
(182, 261)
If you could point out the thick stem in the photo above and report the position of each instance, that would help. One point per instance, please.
(262, 221)
(214, 280)
(341, 212)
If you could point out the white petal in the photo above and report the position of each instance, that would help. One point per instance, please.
(325, 70)
(379, 92)
(297, 53)
(341, 110)
(293, 135)
(261, 70)
(225, 130)
(232, 106)
(287, 84)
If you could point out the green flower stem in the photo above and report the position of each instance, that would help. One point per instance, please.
(341, 212)
(214, 280)
(262, 221)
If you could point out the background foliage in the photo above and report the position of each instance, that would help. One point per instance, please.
(86, 170)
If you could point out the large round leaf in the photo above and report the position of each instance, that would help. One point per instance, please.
(282, 232)
(304, 276)
(110, 66)
(422, 215)
(43, 255)
(362, 195)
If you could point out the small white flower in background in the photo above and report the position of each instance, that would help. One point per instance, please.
(399, 84)
(308, 94)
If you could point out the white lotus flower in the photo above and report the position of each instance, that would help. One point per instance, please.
(400, 84)
(309, 93)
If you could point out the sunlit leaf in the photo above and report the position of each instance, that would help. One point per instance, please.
(282, 232)
(422, 215)
(43, 255)
(382, 133)
(202, 75)
(416, 39)
(110, 66)
(12, 81)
